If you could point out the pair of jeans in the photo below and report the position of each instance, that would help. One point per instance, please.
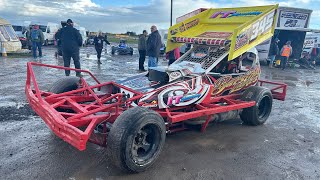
(36, 45)
(171, 61)
(272, 58)
(153, 62)
(67, 55)
(142, 58)
(283, 61)
(99, 51)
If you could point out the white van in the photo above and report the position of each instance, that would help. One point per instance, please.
(164, 36)
(49, 30)
(83, 33)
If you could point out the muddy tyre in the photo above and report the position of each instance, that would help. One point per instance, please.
(258, 114)
(136, 139)
(64, 85)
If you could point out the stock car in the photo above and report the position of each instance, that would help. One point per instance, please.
(131, 117)
(123, 48)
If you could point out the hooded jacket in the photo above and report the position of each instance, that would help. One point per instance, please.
(142, 43)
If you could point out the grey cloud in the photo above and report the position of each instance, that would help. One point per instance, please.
(111, 19)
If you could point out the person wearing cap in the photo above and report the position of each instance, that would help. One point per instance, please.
(274, 51)
(37, 39)
(71, 41)
(285, 53)
(142, 46)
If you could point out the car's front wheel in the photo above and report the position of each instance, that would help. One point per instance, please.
(136, 139)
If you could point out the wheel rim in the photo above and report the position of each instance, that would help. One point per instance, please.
(145, 144)
(263, 107)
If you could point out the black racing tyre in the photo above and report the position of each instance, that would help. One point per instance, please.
(258, 114)
(64, 85)
(136, 139)
(46, 42)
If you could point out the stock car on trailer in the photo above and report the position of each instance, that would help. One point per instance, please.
(217, 79)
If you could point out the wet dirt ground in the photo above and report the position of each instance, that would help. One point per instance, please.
(287, 146)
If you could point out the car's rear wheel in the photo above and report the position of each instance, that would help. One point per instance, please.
(258, 114)
(136, 139)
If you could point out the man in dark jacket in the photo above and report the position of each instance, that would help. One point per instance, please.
(274, 51)
(153, 47)
(71, 41)
(98, 44)
(142, 47)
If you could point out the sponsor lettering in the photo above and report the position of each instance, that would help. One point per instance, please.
(237, 83)
(257, 29)
(189, 25)
(261, 26)
(172, 100)
(153, 103)
(293, 15)
(229, 14)
(175, 75)
(219, 35)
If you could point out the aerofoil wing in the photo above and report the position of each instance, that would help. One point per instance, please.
(239, 28)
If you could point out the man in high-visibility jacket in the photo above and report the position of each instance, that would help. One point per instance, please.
(285, 53)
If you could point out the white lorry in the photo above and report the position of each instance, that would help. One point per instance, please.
(292, 24)
(83, 33)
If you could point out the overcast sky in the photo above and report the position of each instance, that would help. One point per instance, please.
(118, 16)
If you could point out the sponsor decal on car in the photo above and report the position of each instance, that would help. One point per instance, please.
(257, 29)
(176, 97)
(175, 75)
(220, 35)
(152, 104)
(237, 83)
(189, 25)
(229, 14)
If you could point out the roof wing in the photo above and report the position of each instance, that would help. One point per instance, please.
(240, 28)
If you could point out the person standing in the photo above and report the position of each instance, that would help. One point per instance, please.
(153, 47)
(142, 47)
(173, 55)
(274, 51)
(37, 40)
(71, 41)
(98, 44)
(285, 53)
